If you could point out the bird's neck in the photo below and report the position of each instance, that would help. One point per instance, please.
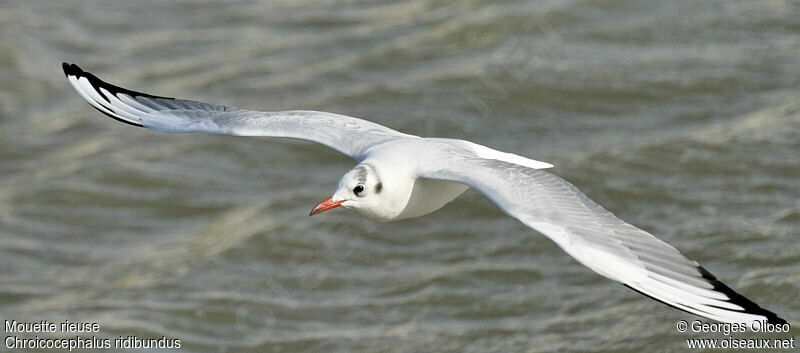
(404, 195)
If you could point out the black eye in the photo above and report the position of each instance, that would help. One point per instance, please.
(358, 189)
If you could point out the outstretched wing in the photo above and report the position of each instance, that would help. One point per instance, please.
(597, 238)
(345, 134)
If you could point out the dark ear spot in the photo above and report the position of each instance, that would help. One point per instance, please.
(378, 187)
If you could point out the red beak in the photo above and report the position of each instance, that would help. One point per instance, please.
(323, 206)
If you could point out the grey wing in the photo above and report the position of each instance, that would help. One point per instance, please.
(597, 238)
(345, 134)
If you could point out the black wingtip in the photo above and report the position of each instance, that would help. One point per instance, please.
(74, 70)
(71, 69)
(735, 298)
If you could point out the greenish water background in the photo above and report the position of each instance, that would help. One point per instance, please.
(682, 117)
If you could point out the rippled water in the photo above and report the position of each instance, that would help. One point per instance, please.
(682, 117)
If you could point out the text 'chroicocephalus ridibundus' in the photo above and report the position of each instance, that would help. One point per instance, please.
(401, 176)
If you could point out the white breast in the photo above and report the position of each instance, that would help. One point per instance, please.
(429, 195)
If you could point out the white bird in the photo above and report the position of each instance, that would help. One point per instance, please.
(400, 176)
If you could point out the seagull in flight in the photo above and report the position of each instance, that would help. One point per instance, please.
(399, 176)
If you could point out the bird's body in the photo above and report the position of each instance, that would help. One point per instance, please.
(405, 194)
(410, 195)
(429, 195)
(399, 176)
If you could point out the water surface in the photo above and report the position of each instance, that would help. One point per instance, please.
(681, 117)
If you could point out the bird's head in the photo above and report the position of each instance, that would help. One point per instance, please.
(362, 190)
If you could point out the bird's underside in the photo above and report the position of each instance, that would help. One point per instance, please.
(537, 198)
